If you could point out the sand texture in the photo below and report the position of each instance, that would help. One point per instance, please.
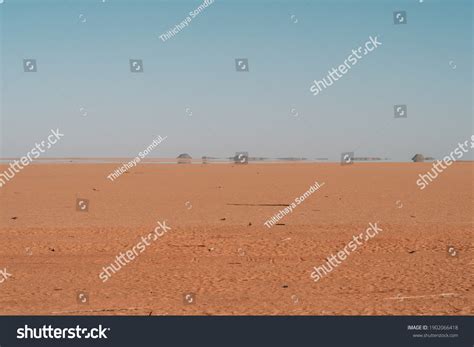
(220, 252)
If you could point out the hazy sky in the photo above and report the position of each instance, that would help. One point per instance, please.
(83, 48)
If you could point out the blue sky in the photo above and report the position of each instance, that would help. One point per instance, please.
(82, 49)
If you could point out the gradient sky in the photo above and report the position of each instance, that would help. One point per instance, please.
(86, 65)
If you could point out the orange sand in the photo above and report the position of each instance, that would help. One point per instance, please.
(237, 265)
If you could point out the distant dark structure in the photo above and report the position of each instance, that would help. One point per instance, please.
(418, 158)
(366, 159)
(207, 159)
(184, 158)
(291, 159)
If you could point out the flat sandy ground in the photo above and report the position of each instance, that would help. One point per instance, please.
(219, 249)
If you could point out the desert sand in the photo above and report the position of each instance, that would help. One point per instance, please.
(219, 249)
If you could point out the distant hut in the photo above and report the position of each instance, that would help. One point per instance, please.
(184, 158)
(418, 158)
